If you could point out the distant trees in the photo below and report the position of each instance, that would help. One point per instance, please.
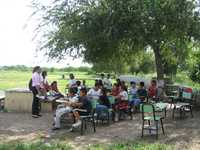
(51, 69)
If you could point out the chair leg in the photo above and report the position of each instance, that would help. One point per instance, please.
(156, 129)
(142, 128)
(149, 126)
(94, 125)
(108, 117)
(162, 126)
(82, 124)
(86, 125)
(173, 112)
(191, 112)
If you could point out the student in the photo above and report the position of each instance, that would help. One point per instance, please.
(102, 78)
(54, 90)
(118, 81)
(121, 101)
(78, 86)
(84, 107)
(84, 84)
(72, 81)
(108, 83)
(45, 82)
(103, 99)
(73, 99)
(135, 101)
(36, 89)
(142, 92)
(115, 90)
(104, 105)
(94, 92)
(152, 90)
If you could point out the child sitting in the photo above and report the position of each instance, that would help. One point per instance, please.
(67, 109)
(54, 90)
(152, 90)
(94, 92)
(135, 101)
(121, 101)
(83, 107)
(142, 92)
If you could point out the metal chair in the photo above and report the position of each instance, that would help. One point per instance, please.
(148, 115)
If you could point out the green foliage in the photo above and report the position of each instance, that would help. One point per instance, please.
(194, 73)
(104, 29)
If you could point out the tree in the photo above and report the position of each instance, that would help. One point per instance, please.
(100, 29)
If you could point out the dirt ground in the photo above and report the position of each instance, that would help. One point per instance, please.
(183, 133)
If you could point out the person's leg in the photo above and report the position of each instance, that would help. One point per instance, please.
(59, 113)
(35, 103)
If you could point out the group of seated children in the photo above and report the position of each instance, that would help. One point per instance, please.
(80, 99)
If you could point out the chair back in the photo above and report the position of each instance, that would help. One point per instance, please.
(94, 103)
(186, 95)
(132, 96)
(147, 110)
(111, 99)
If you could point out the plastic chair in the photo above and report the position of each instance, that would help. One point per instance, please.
(186, 103)
(148, 115)
(89, 118)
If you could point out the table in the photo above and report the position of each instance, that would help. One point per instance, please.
(160, 106)
(181, 106)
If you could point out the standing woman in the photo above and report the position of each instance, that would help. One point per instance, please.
(36, 83)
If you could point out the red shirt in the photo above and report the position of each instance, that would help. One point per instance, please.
(152, 91)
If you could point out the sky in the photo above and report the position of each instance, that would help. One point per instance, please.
(16, 44)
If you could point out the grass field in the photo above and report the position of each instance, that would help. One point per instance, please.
(57, 146)
(16, 79)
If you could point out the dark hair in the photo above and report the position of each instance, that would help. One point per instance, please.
(72, 90)
(104, 91)
(100, 83)
(96, 84)
(36, 68)
(71, 75)
(84, 90)
(108, 75)
(78, 83)
(142, 84)
(124, 87)
(102, 75)
(44, 74)
(54, 82)
(132, 82)
(154, 81)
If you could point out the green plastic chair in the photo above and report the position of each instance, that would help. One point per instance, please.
(148, 115)
(90, 118)
(111, 99)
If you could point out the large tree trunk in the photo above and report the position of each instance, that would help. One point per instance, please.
(159, 65)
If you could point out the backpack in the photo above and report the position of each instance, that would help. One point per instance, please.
(30, 85)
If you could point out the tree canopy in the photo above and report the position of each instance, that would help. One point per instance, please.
(100, 30)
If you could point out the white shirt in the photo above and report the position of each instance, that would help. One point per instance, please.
(123, 95)
(73, 99)
(72, 82)
(94, 94)
(133, 91)
(36, 79)
(108, 83)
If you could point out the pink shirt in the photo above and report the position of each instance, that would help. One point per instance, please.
(36, 79)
